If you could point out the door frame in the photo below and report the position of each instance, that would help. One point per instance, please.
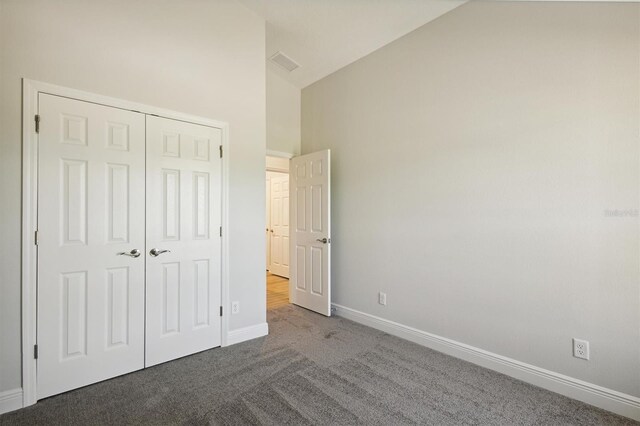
(30, 91)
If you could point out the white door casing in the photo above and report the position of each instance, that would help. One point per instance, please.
(184, 218)
(310, 223)
(91, 202)
(279, 218)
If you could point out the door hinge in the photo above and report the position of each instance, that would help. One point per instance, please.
(37, 117)
(35, 238)
(220, 310)
(220, 151)
(35, 351)
(221, 231)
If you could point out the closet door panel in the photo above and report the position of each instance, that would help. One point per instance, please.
(184, 257)
(91, 190)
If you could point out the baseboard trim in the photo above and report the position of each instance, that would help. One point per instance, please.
(10, 400)
(607, 399)
(247, 333)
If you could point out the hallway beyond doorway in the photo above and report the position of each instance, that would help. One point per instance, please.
(277, 291)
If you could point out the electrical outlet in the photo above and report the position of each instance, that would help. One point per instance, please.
(581, 349)
(382, 298)
(235, 307)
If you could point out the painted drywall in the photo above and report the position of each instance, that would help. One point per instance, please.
(277, 164)
(283, 114)
(197, 57)
(485, 176)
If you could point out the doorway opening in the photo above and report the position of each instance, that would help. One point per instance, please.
(277, 232)
(298, 231)
(277, 291)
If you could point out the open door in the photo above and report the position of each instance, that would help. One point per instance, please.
(310, 231)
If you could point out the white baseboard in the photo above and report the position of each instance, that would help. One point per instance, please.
(10, 400)
(247, 333)
(608, 399)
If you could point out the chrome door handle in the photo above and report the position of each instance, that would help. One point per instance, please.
(132, 253)
(323, 241)
(157, 252)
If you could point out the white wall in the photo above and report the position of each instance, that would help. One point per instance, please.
(198, 57)
(277, 164)
(474, 162)
(283, 114)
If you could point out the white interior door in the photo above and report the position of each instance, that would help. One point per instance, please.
(90, 278)
(183, 223)
(279, 253)
(310, 283)
(268, 221)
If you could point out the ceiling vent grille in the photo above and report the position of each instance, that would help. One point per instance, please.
(284, 61)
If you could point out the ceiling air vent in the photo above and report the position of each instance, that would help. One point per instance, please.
(284, 61)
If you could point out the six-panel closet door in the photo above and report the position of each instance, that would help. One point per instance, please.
(98, 316)
(183, 239)
(91, 260)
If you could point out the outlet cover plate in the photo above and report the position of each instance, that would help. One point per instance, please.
(382, 298)
(581, 349)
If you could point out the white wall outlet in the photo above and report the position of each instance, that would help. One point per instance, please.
(382, 298)
(581, 349)
(235, 307)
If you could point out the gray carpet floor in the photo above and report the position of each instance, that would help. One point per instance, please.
(314, 370)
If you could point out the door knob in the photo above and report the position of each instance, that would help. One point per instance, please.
(272, 231)
(323, 241)
(157, 252)
(132, 253)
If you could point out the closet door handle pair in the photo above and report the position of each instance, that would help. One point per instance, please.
(136, 253)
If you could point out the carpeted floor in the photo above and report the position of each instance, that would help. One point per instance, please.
(314, 370)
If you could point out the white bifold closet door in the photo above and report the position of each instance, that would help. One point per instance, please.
(91, 190)
(183, 227)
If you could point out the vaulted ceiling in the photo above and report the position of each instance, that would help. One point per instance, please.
(323, 36)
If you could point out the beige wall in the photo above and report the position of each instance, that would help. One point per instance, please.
(283, 114)
(474, 162)
(199, 57)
